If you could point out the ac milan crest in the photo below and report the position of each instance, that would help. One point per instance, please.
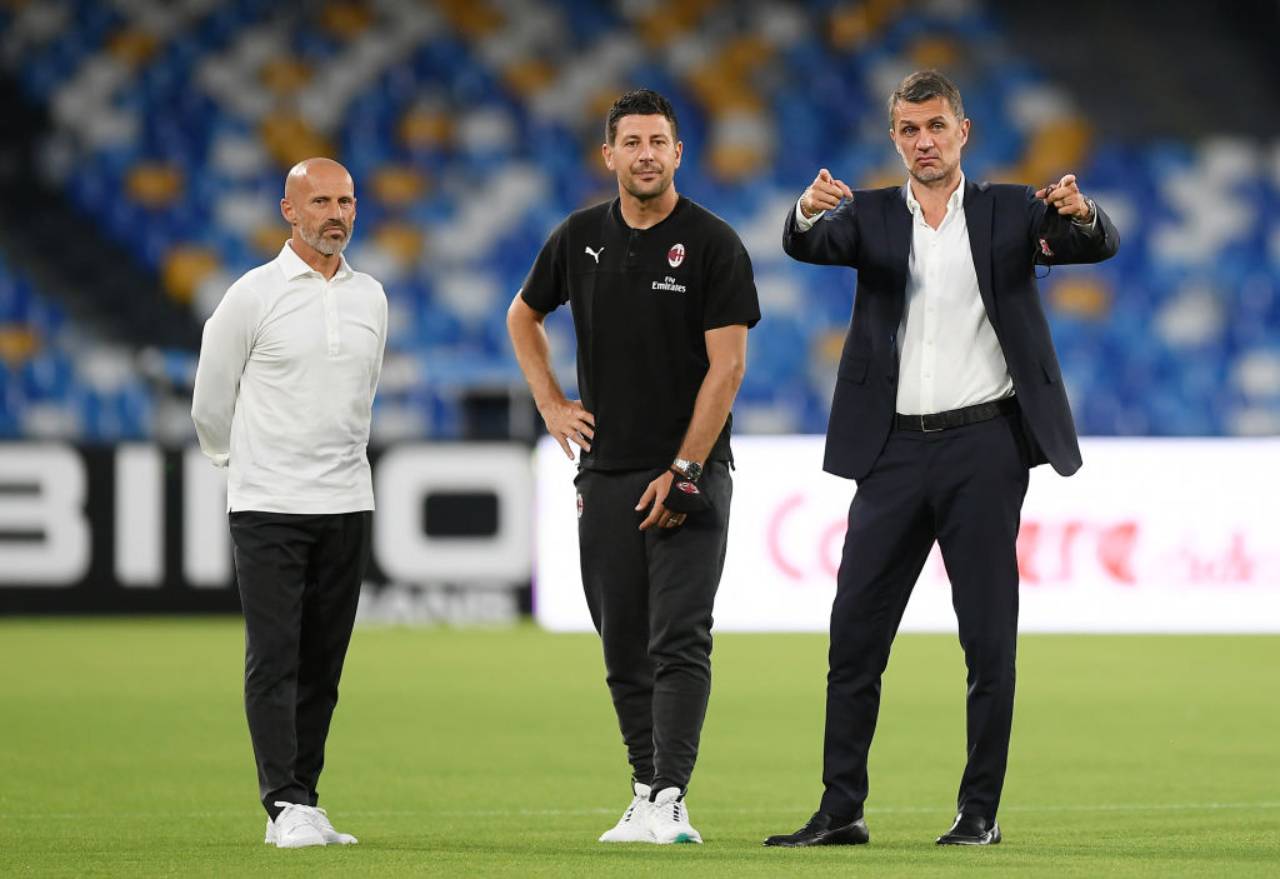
(1045, 248)
(675, 255)
(580, 506)
(687, 487)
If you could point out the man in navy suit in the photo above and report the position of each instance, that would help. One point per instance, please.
(947, 393)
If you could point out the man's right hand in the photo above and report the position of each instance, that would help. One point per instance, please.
(568, 421)
(823, 194)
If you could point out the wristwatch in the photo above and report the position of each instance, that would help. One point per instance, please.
(690, 470)
(1093, 214)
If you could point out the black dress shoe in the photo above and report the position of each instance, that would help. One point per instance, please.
(971, 830)
(822, 829)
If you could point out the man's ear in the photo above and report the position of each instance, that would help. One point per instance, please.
(286, 211)
(607, 151)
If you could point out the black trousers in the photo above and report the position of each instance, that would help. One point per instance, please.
(651, 595)
(299, 578)
(963, 487)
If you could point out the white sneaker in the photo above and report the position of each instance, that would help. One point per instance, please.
(668, 819)
(632, 827)
(331, 836)
(295, 827)
(320, 818)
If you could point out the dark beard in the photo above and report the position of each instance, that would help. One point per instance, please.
(649, 196)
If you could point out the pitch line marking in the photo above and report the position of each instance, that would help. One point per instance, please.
(883, 810)
(569, 813)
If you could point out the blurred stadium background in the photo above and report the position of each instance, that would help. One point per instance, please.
(145, 142)
(142, 150)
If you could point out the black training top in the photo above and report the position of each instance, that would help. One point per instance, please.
(641, 300)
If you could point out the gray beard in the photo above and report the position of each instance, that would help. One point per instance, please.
(932, 176)
(324, 245)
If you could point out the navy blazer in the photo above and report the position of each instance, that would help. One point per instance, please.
(1010, 231)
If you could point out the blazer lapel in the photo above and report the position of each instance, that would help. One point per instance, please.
(978, 208)
(897, 222)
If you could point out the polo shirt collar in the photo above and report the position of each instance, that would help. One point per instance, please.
(293, 266)
(615, 212)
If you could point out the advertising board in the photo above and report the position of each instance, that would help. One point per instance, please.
(1152, 535)
(136, 528)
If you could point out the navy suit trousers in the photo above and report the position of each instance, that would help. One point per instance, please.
(963, 487)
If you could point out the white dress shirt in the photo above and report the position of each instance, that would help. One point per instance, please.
(948, 354)
(284, 388)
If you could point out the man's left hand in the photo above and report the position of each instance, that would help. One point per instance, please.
(1065, 195)
(654, 494)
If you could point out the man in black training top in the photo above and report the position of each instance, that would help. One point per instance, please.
(662, 296)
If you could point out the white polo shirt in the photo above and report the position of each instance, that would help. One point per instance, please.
(284, 388)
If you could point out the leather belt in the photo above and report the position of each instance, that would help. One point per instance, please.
(956, 417)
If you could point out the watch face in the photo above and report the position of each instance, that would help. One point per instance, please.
(689, 469)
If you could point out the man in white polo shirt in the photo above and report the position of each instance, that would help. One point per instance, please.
(283, 394)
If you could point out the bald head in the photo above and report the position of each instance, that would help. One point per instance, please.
(320, 203)
(313, 172)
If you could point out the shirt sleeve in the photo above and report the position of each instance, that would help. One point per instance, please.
(382, 345)
(803, 223)
(224, 350)
(545, 287)
(731, 288)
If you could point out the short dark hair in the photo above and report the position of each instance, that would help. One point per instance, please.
(924, 85)
(640, 102)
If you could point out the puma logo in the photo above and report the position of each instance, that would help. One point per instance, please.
(595, 254)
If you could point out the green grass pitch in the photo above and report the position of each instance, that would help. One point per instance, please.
(124, 752)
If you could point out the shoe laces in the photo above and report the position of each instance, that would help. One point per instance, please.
(314, 814)
(631, 810)
(677, 812)
(320, 817)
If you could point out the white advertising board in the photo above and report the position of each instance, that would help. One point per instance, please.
(1152, 535)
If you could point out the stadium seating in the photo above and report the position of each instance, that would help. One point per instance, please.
(55, 382)
(473, 126)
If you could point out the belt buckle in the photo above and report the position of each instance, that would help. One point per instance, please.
(924, 429)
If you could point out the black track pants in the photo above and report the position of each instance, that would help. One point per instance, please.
(651, 595)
